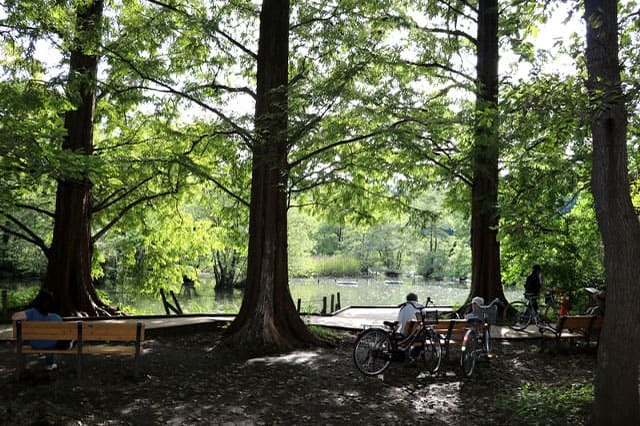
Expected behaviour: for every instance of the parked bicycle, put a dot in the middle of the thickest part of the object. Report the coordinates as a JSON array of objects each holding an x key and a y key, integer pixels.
[
  {"x": 376, "y": 347},
  {"x": 477, "y": 339},
  {"x": 528, "y": 312}
]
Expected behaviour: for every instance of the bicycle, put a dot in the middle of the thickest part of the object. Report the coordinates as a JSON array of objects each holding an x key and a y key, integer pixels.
[
  {"x": 376, "y": 347},
  {"x": 527, "y": 313},
  {"x": 477, "y": 338}
]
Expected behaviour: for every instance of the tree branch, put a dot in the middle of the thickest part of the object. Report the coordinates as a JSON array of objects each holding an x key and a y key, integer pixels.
[
  {"x": 28, "y": 235},
  {"x": 36, "y": 209},
  {"x": 126, "y": 209}
]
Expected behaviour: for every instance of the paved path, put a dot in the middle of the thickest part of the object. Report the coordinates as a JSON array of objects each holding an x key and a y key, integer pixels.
[{"x": 350, "y": 318}]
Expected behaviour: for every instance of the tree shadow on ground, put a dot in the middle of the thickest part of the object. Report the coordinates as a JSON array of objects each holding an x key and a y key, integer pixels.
[{"x": 187, "y": 380}]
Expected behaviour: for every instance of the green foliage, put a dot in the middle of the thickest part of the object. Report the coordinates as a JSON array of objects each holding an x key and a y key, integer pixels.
[
  {"x": 571, "y": 256},
  {"x": 20, "y": 298},
  {"x": 300, "y": 243},
  {"x": 547, "y": 214},
  {"x": 540, "y": 404},
  {"x": 25, "y": 258},
  {"x": 326, "y": 334},
  {"x": 336, "y": 266},
  {"x": 379, "y": 116}
]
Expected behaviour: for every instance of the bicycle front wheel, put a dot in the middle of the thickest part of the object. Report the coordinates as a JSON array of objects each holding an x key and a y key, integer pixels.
[
  {"x": 522, "y": 317},
  {"x": 468, "y": 355},
  {"x": 486, "y": 340},
  {"x": 432, "y": 353},
  {"x": 372, "y": 351}
]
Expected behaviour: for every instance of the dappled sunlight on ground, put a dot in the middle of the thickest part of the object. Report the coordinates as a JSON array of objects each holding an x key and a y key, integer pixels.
[
  {"x": 187, "y": 380},
  {"x": 298, "y": 357}
]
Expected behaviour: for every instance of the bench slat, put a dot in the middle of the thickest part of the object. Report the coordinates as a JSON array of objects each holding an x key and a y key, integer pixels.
[
  {"x": 575, "y": 321},
  {"x": 88, "y": 349},
  {"x": 110, "y": 331},
  {"x": 109, "y": 350},
  {"x": 47, "y": 330}
]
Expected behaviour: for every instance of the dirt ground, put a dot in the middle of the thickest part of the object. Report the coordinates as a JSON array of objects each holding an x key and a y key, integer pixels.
[{"x": 186, "y": 380}]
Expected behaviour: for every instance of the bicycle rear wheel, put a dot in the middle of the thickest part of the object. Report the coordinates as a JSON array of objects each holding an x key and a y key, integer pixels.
[
  {"x": 522, "y": 318},
  {"x": 468, "y": 355},
  {"x": 551, "y": 312},
  {"x": 372, "y": 351},
  {"x": 432, "y": 352}
]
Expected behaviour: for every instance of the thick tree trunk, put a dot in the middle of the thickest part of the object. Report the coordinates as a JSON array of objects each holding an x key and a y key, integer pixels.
[
  {"x": 268, "y": 321},
  {"x": 617, "y": 399},
  {"x": 69, "y": 260},
  {"x": 485, "y": 250}
]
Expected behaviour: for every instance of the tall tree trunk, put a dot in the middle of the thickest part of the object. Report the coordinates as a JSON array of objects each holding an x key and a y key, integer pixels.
[
  {"x": 268, "y": 320},
  {"x": 485, "y": 250},
  {"x": 617, "y": 399},
  {"x": 69, "y": 260}
]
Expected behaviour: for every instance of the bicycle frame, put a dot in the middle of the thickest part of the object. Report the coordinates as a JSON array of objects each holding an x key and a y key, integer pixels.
[
  {"x": 376, "y": 347},
  {"x": 477, "y": 339}
]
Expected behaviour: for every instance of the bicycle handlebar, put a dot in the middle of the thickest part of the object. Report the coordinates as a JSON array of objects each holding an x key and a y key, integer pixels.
[{"x": 495, "y": 301}]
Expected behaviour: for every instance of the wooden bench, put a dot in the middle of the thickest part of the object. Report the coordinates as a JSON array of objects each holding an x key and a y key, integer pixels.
[
  {"x": 92, "y": 337},
  {"x": 585, "y": 328},
  {"x": 452, "y": 332}
]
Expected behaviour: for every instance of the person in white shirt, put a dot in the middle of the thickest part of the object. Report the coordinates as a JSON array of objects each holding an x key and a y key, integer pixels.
[{"x": 408, "y": 311}]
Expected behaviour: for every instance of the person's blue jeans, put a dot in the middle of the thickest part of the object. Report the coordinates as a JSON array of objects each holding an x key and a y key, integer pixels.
[{"x": 45, "y": 344}]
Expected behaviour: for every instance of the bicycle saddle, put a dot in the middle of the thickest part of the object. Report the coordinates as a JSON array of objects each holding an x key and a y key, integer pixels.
[{"x": 391, "y": 324}]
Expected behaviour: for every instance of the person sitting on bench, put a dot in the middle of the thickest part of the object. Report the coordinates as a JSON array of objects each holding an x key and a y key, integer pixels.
[
  {"x": 41, "y": 308},
  {"x": 408, "y": 311}
]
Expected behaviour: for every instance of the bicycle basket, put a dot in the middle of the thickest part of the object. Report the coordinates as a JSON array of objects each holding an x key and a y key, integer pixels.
[
  {"x": 491, "y": 313},
  {"x": 429, "y": 316}
]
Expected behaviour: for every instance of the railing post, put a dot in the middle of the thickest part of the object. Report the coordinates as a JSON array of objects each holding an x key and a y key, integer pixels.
[
  {"x": 332, "y": 303},
  {"x": 164, "y": 302},
  {"x": 338, "y": 304},
  {"x": 324, "y": 305},
  {"x": 299, "y": 303}
]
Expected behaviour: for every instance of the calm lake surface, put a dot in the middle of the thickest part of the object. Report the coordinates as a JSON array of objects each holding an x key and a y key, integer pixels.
[
  {"x": 378, "y": 291},
  {"x": 311, "y": 291}
]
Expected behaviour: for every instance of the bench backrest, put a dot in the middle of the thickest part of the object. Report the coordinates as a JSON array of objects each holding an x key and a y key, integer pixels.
[
  {"x": 69, "y": 330},
  {"x": 451, "y": 327},
  {"x": 410, "y": 327},
  {"x": 46, "y": 330},
  {"x": 115, "y": 331},
  {"x": 575, "y": 322}
]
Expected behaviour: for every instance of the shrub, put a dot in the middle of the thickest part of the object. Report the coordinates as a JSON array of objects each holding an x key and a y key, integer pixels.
[
  {"x": 336, "y": 266},
  {"x": 542, "y": 404}
]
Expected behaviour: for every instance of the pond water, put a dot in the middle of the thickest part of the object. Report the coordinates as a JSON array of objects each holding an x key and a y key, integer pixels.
[
  {"x": 378, "y": 291},
  {"x": 381, "y": 292},
  {"x": 310, "y": 293}
]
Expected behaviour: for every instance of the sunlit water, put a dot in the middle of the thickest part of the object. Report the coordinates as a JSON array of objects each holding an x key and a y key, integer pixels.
[
  {"x": 381, "y": 292},
  {"x": 313, "y": 295}
]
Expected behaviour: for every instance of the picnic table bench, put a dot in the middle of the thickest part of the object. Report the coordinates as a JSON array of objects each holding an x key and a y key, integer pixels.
[
  {"x": 585, "y": 328},
  {"x": 91, "y": 338}
]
